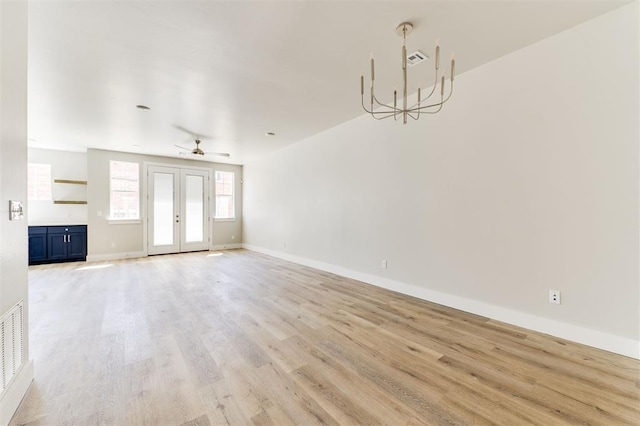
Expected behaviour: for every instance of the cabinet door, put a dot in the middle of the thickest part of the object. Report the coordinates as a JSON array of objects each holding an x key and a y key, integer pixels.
[
  {"x": 77, "y": 245},
  {"x": 56, "y": 246},
  {"x": 37, "y": 244}
]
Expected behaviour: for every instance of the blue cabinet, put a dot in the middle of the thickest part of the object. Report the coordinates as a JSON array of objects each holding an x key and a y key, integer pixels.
[
  {"x": 48, "y": 244},
  {"x": 37, "y": 244}
]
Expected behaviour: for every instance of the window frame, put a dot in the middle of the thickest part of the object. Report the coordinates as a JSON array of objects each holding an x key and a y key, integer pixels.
[
  {"x": 124, "y": 220},
  {"x": 233, "y": 197}
]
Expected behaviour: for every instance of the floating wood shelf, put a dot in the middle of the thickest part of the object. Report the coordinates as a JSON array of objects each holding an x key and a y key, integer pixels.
[
  {"x": 69, "y": 202},
  {"x": 74, "y": 182}
]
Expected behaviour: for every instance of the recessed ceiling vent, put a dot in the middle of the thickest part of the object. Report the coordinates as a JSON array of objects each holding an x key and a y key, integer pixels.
[{"x": 416, "y": 57}]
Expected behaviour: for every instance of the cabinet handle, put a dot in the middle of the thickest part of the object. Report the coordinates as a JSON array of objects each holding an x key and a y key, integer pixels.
[
  {"x": 68, "y": 238},
  {"x": 64, "y": 238}
]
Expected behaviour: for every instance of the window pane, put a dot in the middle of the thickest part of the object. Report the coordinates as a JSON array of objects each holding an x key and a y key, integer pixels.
[
  {"x": 39, "y": 181},
  {"x": 224, "y": 195},
  {"x": 194, "y": 214},
  {"x": 162, "y": 209},
  {"x": 125, "y": 190}
]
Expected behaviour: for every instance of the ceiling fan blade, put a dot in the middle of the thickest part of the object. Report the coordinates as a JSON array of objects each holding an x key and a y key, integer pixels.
[
  {"x": 220, "y": 154},
  {"x": 182, "y": 129},
  {"x": 193, "y": 135},
  {"x": 182, "y": 147}
]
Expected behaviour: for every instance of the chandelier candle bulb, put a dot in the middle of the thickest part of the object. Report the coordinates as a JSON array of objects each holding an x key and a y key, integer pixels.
[
  {"x": 395, "y": 109},
  {"x": 372, "y": 78},
  {"x": 437, "y": 56},
  {"x": 362, "y": 84},
  {"x": 442, "y": 87},
  {"x": 453, "y": 66}
]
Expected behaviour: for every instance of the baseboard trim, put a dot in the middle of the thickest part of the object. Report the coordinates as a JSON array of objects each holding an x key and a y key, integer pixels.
[
  {"x": 597, "y": 339},
  {"x": 13, "y": 395},
  {"x": 116, "y": 256},
  {"x": 225, "y": 247}
]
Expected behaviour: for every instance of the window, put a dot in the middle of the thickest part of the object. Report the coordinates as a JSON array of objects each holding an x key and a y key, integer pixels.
[
  {"x": 224, "y": 196},
  {"x": 125, "y": 190},
  {"x": 39, "y": 181}
]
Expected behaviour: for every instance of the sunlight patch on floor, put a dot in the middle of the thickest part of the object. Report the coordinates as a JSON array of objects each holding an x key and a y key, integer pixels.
[{"x": 86, "y": 268}]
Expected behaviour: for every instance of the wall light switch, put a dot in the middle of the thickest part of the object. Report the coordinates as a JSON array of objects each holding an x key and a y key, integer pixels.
[{"x": 16, "y": 212}]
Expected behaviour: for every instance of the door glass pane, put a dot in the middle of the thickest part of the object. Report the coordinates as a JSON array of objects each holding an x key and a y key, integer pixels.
[
  {"x": 162, "y": 209},
  {"x": 194, "y": 209}
]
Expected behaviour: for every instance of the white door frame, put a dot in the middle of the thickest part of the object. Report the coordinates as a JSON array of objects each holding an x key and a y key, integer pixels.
[{"x": 145, "y": 199}]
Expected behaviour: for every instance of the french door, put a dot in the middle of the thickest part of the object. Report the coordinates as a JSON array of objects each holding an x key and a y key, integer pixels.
[{"x": 178, "y": 210}]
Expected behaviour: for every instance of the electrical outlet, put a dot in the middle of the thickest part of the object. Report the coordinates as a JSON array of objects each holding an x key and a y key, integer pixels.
[
  {"x": 233, "y": 237},
  {"x": 284, "y": 245},
  {"x": 383, "y": 264},
  {"x": 554, "y": 296},
  {"x": 113, "y": 245}
]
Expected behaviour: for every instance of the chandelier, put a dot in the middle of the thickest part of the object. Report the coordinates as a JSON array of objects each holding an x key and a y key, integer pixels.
[{"x": 379, "y": 110}]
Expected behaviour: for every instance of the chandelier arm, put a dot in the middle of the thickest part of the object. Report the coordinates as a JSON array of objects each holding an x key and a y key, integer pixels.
[
  {"x": 434, "y": 112},
  {"x": 364, "y": 107},
  {"x": 424, "y": 109},
  {"x": 450, "y": 93},
  {"x": 381, "y": 118},
  {"x": 439, "y": 105},
  {"x": 372, "y": 93},
  {"x": 371, "y": 111},
  {"x": 397, "y": 110},
  {"x": 442, "y": 102},
  {"x": 433, "y": 89},
  {"x": 389, "y": 111},
  {"x": 374, "y": 113}
]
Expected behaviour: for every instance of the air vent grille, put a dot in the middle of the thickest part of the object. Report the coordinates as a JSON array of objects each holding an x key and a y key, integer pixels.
[
  {"x": 11, "y": 344},
  {"x": 416, "y": 57}
]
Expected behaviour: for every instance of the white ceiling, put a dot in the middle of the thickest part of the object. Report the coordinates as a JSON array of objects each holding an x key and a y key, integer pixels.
[{"x": 234, "y": 70}]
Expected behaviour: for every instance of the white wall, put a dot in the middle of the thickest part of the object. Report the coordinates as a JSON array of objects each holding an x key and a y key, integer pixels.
[
  {"x": 527, "y": 181},
  {"x": 64, "y": 165},
  {"x": 13, "y": 176},
  {"x": 109, "y": 241}
]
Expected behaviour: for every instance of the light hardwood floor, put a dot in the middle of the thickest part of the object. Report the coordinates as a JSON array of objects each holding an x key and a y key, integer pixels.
[{"x": 240, "y": 338}]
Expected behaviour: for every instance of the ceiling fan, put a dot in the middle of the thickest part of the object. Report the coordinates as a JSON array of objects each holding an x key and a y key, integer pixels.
[{"x": 199, "y": 152}]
